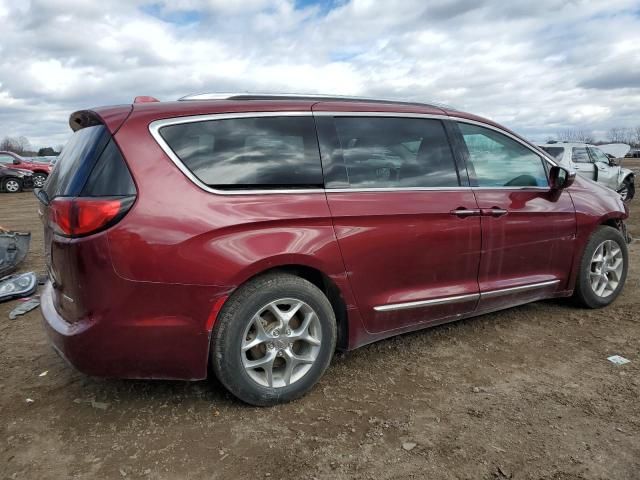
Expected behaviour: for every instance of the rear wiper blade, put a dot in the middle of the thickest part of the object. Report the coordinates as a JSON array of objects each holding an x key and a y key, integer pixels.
[{"x": 42, "y": 196}]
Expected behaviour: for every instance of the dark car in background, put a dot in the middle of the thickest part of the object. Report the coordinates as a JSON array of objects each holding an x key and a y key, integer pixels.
[
  {"x": 13, "y": 180},
  {"x": 633, "y": 153},
  {"x": 254, "y": 234},
  {"x": 40, "y": 170}
]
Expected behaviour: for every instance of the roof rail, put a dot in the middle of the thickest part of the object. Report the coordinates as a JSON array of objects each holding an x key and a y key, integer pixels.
[{"x": 302, "y": 96}]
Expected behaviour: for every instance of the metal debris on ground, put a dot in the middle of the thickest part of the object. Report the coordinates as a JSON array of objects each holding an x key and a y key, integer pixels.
[
  {"x": 13, "y": 249},
  {"x": 24, "y": 307},
  {"x": 408, "y": 446},
  {"x": 618, "y": 360}
]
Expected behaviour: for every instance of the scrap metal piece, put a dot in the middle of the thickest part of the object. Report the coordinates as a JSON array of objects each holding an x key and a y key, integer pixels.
[
  {"x": 13, "y": 250},
  {"x": 23, "y": 308},
  {"x": 16, "y": 286}
]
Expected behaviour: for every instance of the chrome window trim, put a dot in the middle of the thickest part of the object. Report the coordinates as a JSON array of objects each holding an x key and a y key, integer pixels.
[
  {"x": 463, "y": 298},
  {"x": 397, "y": 189},
  {"x": 155, "y": 126}
]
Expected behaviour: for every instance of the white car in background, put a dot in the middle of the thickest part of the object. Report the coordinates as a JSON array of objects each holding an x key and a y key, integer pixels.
[{"x": 592, "y": 163}]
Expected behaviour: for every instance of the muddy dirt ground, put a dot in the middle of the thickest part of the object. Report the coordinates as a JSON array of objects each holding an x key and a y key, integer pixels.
[{"x": 526, "y": 393}]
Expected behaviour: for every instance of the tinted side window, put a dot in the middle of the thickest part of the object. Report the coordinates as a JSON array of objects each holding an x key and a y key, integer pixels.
[
  {"x": 580, "y": 155},
  {"x": 261, "y": 152},
  {"x": 6, "y": 159},
  {"x": 395, "y": 152},
  {"x": 110, "y": 176},
  {"x": 555, "y": 152},
  {"x": 496, "y": 160}
]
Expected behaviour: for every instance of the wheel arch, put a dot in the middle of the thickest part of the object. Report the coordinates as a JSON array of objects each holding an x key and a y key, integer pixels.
[{"x": 325, "y": 283}]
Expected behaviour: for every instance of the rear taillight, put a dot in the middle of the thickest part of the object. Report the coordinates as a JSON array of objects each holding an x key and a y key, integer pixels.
[{"x": 80, "y": 216}]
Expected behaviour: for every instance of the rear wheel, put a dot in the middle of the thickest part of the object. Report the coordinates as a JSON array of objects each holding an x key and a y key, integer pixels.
[
  {"x": 273, "y": 339},
  {"x": 603, "y": 269},
  {"x": 627, "y": 190},
  {"x": 12, "y": 185},
  {"x": 39, "y": 179}
]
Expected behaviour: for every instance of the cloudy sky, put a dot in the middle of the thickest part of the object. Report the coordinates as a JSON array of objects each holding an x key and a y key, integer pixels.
[{"x": 536, "y": 66}]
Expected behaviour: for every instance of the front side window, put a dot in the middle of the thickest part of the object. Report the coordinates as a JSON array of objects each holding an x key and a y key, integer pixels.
[
  {"x": 580, "y": 155},
  {"x": 395, "y": 152},
  {"x": 598, "y": 155},
  {"x": 496, "y": 160},
  {"x": 261, "y": 152}
]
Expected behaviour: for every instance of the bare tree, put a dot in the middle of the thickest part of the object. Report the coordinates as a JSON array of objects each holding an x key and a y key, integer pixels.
[
  {"x": 575, "y": 135},
  {"x": 10, "y": 144},
  {"x": 20, "y": 145},
  {"x": 25, "y": 144},
  {"x": 615, "y": 135},
  {"x": 637, "y": 137}
]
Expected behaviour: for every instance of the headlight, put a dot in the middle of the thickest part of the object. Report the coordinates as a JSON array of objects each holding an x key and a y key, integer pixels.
[{"x": 19, "y": 285}]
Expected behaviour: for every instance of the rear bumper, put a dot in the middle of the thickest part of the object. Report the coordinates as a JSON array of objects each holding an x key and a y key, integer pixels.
[
  {"x": 128, "y": 346},
  {"x": 69, "y": 340}
]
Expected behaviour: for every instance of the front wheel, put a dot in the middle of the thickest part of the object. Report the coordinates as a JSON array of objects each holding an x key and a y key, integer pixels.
[
  {"x": 603, "y": 268},
  {"x": 39, "y": 179},
  {"x": 627, "y": 189},
  {"x": 273, "y": 339},
  {"x": 12, "y": 185}
]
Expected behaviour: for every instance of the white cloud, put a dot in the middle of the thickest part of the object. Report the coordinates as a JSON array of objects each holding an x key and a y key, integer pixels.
[{"x": 537, "y": 67}]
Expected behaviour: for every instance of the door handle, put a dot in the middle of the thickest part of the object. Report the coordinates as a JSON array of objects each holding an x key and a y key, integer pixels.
[
  {"x": 462, "y": 212},
  {"x": 493, "y": 212}
]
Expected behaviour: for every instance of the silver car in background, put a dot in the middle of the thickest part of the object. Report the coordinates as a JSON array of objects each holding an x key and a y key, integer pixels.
[{"x": 592, "y": 163}]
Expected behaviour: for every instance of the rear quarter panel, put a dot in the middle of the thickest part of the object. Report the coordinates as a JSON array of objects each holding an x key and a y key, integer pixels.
[{"x": 178, "y": 233}]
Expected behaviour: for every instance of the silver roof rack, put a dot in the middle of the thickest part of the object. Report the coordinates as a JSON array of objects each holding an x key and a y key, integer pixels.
[{"x": 303, "y": 96}]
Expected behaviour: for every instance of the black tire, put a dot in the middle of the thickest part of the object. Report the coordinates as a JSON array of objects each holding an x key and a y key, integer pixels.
[
  {"x": 39, "y": 179},
  {"x": 584, "y": 293},
  {"x": 236, "y": 316},
  {"x": 8, "y": 185},
  {"x": 628, "y": 186}
]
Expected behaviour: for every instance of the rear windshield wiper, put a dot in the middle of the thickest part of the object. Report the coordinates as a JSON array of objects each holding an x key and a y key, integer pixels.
[{"x": 42, "y": 196}]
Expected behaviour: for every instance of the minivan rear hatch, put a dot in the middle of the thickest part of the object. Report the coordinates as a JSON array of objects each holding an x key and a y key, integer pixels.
[{"x": 89, "y": 190}]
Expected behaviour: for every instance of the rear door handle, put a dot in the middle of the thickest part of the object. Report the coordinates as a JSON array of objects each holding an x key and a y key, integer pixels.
[
  {"x": 465, "y": 212},
  {"x": 493, "y": 212}
]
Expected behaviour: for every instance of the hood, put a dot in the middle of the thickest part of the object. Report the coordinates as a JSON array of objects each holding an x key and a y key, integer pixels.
[
  {"x": 618, "y": 150},
  {"x": 597, "y": 189},
  {"x": 15, "y": 171}
]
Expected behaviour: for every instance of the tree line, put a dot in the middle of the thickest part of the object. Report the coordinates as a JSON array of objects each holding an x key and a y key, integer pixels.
[
  {"x": 630, "y": 136},
  {"x": 22, "y": 146}
]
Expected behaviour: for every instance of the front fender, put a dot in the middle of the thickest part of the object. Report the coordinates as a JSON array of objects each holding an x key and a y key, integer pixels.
[{"x": 623, "y": 174}]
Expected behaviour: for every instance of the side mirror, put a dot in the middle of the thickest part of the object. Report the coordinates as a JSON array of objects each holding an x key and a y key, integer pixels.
[
  {"x": 16, "y": 161},
  {"x": 560, "y": 178}
]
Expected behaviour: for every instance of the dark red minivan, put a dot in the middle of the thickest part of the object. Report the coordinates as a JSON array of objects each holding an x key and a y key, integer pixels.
[{"x": 258, "y": 233}]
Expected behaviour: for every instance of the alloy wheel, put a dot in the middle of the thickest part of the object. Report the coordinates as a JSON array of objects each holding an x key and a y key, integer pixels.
[
  {"x": 281, "y": 343},
  {"x": 607, "y": 264},
  {"x": 12, "y": 186},
  {"x": 38, "y": 180}
]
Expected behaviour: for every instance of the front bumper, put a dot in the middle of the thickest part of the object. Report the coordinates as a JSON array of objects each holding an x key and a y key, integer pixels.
[{"x": 27, "y": 182}]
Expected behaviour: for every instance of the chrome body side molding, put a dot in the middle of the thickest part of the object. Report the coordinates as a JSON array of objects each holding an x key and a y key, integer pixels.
[{"x": 464, "y": 298}]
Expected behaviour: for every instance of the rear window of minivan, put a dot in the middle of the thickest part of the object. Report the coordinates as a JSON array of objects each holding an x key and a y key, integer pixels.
[
  {"x": 79, "y": 154},
  {"x": 240, "y": 153}
]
